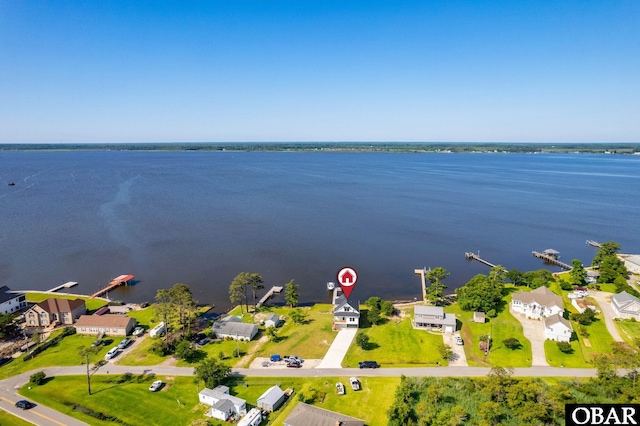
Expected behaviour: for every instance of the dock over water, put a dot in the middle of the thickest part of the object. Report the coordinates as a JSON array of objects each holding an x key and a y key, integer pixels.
[
  {"x": 116, "y": 282},
  {"x": 61, "y": 286},
  {"x": 472, "y": 256},
  {"x": 274, "y": 290},
  {"x": 551, "y": 257}
]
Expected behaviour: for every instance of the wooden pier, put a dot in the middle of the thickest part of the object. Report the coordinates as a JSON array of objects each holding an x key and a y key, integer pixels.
[
  {"x": 274, "y": 290},
  {"x": 472, "y": 256},
  {"x": 61, "y": 286},
  {"x": 422, "y": 272},
  {"x": 551, "y": 257},
  {"x": 116, "y": 282}
]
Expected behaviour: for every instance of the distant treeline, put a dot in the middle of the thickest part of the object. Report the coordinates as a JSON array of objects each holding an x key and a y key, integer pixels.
[{"x": 401, "y": 147}]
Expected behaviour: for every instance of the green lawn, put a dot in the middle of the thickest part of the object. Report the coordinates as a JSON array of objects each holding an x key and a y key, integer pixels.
[
  {"x": 396, "y": 344},
  {"x": 145, "y": 317},
  {"x": 500, "y": 328},
  {"x": 122, "y": 399},
  {"x": 599, "y": 339},
  {"x": 556, "y": 358},
  {"x": 308, "y": 341},
  {"x": 91, "y": 304},
  {"x": 628, "y": 330},
  {"x": 7, "y": 419},
  {"x": 128, "y": 400},
  {"x": 62, "y": 354}
]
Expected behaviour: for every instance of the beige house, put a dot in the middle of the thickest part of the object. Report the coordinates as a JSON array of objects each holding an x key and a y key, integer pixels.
[
  {"x": 53, "y": 311},
  {"x": 539, "y": 303},
  {"x": 109, "y": 324},
  {"x": 631, "y": 262}
]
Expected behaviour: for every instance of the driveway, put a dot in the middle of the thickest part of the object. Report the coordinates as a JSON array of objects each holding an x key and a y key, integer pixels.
[
  {"x": 459, "y": 358},
  {"x": 534, "y": 331},
  {"x": 604, "y": 302},
  {"x": 338, "y": 349}
]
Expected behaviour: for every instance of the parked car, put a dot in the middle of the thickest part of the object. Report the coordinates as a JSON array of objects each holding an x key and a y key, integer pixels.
[
  {"x": 293, "y": 364},
  {"x": 97, "y": 342},
  {"x": 368, "y": 364},
  {"x": 355, "y": 383},
  {"x": 197, "y": 337},
  {"x": 155, "y": 386},
  {"x": 203, "y": 341},
  {"x": 4, "y": 360},
  {"x": 275, "y": 358},
  {"x": 112, "y": 353},
  {"x": 124, "y": 343},
  {"x": 293, "y": 358},
  {"x": 458, "y": 340},
  {"x": 24, "y": 404},
  {"x": 339, "y": 388},
  {"x": 138, "y": 331}
]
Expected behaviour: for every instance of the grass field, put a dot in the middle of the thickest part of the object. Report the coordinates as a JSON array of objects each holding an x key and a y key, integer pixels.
[
  {"x": 556, "y": 358},
  {"x": 7, "y": 419},
  {"x": 310, "y": 340},
  {"x": 500, "y": 328},
  {"x": 396, "y": 344},
  {"x": 63, "y": 353},
  {"x": 91, "y": 304},
  {"x": 128, "y": 399},
  {"x": 628, "y": 330}
]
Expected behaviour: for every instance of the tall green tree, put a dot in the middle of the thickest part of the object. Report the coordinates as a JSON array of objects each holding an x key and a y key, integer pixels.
[
  {"x": 165, "y": 309},
  {"x": 291, "y": 294},
  {"x": 481, "y": 293},
  {"x": 436, "y": 287},
  {"x": 242, "y": 284},
  {"x": 86, "y": 353},
  {"x": 610, "y": 248},
  {"x": 578, "y": 274},
  {"x": 181, "y": 298},
  {"x": 7, "y": 325},
  {"x": 610, "y": 268},
  {"x": 212, "y": 372}
]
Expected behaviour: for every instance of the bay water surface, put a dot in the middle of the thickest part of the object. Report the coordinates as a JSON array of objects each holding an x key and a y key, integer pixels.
[{"x": 200, "y": 218}]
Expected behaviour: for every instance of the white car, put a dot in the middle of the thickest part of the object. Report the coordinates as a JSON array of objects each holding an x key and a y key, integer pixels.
[
  {"x": 112, "y": 353},
  {"x": 458, "y": 340},
  {"x": 155, "y": 386}
]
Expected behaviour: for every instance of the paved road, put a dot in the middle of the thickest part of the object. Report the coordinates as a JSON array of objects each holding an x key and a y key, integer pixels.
[
  {"x": 533, "y": 330},
  {"x": 603, "y": 298}
]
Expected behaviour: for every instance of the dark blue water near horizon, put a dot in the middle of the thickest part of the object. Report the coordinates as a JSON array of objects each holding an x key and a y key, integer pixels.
[{"x": 201, "y": 218}]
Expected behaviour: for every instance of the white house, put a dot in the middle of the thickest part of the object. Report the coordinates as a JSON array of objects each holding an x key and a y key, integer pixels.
[
  {"x": 539, "y": 303},
  {"x": 272, "y": 320},
  {"x": 344, "y": 314},
  {"x": 557, "y": 328},
  {"x": 11, "y": 302},
  {"x": 271, "y": 399},
  {"x": 625, "y": 305},
  {"x": 632, "y": 263},
  {"x": 223, "y": 405},
  {"x": 433, "y": 317},
  {"x": 253, "y": 418},
  {"x": 233, "y": 327},
  {"x": 581, "y": 305}
]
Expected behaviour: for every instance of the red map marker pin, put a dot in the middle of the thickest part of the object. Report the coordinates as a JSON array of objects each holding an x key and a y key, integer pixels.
[{"x": 347, "y": 278}]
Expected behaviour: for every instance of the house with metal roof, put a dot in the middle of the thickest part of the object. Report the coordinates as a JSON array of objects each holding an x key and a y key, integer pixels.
[
  {"x": 272, "y": 320},
  {"x": 223, "y": 405},
  {"x": 539, "y": 303},
  {"x": 234, "y": 328},
  {"x": 308, "y": 415},
  {"x": 557, "y": 328},
  {"x": 631, "y": 262},
  {"x": 433, "y": 318},
  {"x": 271, "y": 399},
  {"x": 345, "y": 315},
  {"x": 11, "y": 302},
  {"x": 54, "y": 311},
  {"x": 625, "y": 305}
]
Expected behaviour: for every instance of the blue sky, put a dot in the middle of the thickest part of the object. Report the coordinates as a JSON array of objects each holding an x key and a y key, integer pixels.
[{"x": 138, "y": 71}]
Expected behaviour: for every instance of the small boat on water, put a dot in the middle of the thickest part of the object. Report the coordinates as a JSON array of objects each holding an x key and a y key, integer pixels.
[
  {"x": 340, "y": 388},
  {"x": 12, "y": 184}
]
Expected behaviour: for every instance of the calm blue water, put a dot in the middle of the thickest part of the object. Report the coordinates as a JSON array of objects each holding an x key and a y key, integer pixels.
[{"x": 200, "y": 218}]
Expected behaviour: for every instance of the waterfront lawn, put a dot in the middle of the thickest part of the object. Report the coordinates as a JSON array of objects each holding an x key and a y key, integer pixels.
[
  {"x": 310, "y": 340},
  {"x": 599, "y": 338},
  {"x": 91, "y": 304},
  {"x": 140, "y": 355},
  {"x": 499, "y": 328},
  {"x": 125, "y": 399},
  {"x": 145, "y": 318},
  {"x": 556, "y": 358},
  {"x": 396, "y": 344},
  {"x": 64, "y": 353},
  {"x": 7, "y": 419},
  {"x": 629, "y": 330}
]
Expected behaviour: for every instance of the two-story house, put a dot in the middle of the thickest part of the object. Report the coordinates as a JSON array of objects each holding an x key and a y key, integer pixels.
[
  {"x": 625, "y": 305},
  {"x": 433, "y": 318},
  {"x": 11, "y": 302},
  {"x": 539, "y": 303},
  {"x": 55, "y": 311},
  {"x": 345, "y": 315}
]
